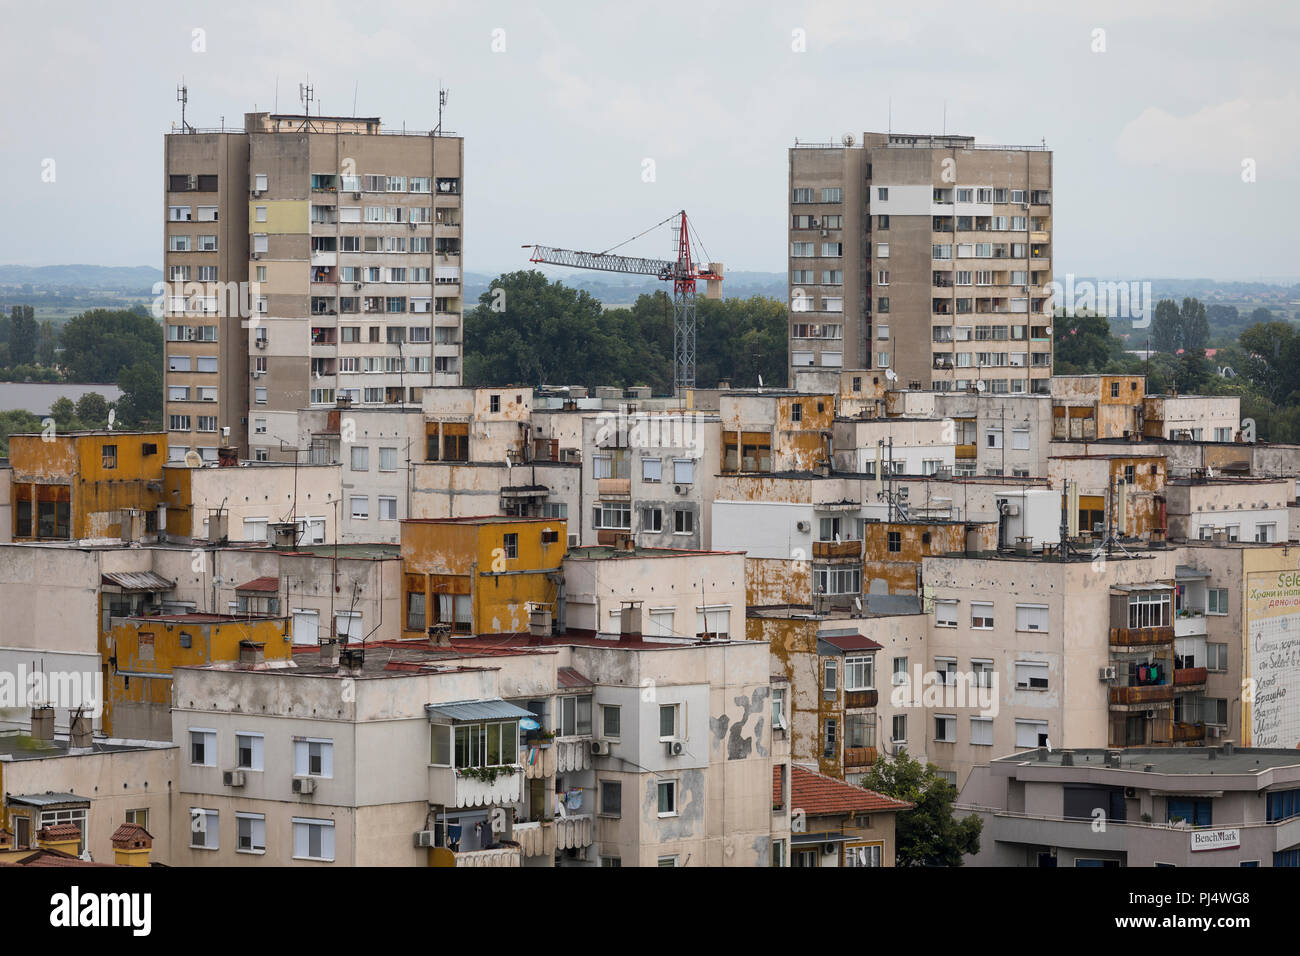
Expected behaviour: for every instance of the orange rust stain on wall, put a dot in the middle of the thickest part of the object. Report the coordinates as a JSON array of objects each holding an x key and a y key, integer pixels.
[{"x": 777, "y": 581}]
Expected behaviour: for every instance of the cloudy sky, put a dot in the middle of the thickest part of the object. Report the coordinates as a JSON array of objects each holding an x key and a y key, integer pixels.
[{"x": 1151, "y": 108}]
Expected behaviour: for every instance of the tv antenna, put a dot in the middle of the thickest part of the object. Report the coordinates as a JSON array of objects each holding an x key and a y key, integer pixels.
[
  {"x": 306, "y": 93},
  {"x": 183, "y": 97}
]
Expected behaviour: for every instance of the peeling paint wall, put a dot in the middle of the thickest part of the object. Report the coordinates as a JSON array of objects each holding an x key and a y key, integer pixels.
[{"x": 776, "y": 581}]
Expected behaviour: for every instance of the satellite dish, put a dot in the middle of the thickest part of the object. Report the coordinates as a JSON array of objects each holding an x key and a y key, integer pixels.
[
  {"x": 857, "y": 603},
  {"x": 890, "y": 375},
  {"x": 760, "y": 381},
  {"x": 979, "y": 385},
  {"x": 193, "y": 459},
  {"x": 1049, "y": 330},
  {"x": 847, "y": 139},
  {"x": 218, "y": 582},
  {"x": 112, "y": 417}
]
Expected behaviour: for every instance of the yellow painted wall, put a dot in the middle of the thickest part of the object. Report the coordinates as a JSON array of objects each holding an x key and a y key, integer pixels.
[
  {"x": 209, "y": 641},
  {"x": 283, "y": 216}
]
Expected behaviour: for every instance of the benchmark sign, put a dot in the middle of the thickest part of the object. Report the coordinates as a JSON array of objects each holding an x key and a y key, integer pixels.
[{"x": 1215, "y": 839}]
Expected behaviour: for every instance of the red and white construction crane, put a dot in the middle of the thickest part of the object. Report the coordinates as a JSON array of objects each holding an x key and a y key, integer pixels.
[{"x": 683, "y": 273}]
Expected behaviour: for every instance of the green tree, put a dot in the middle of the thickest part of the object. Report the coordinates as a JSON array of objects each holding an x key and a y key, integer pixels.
[
  {"x": 142, "y": 389},
  {"x": 1084, "y": 344},
  {"x": 1271, "y": 351},
  {"x": 16, "y": 423},
  {"x": 64, "y": 413},
  {"x": 1167, "y": 327},
  {"x": 100, "y": 343},
  {"x": 92, "y": 410},
  {"x": 928, "y": 834},
  {"x": 22, "y": 335},
  {"x": 1195, "y": 326},
  {"x": 47, "y": 343}
]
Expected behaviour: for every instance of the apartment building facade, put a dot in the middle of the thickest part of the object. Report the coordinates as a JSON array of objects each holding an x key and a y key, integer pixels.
[
  {"x": 307, "y": 258},
  {"x": 928, "y": 256}
]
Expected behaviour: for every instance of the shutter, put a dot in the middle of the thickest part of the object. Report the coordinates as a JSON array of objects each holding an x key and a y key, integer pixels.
[{"x": 300, "y": 758}]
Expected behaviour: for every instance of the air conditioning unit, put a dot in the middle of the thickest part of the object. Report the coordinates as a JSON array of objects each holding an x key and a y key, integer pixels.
[
  {"x": 424, "y": 838},
  {"x": 1150, "y": 715},
  {"x": 675, "y": 748},
  {"x": 232, "y": 778},
  {"x": 260, "y": 343},
  {"x": 1130, "y": 793},
  {"x": 356, "y": 195},
  {"x": 600, "y": 748},
  {"x": 1106, "y": 673},
  {"x": 680, "y": 489},
  {"x": 304, "y": 785},
  {"x": 356, "y": 285},
  {"x": 257, "y": 255},
  {"x": 257, "y": 374},
  {"x": 828, "y": 848},
  {"x": 1214, "y": 732},
  {"x": 803, "y": 526},
  {"x": 573, "y": 540}
]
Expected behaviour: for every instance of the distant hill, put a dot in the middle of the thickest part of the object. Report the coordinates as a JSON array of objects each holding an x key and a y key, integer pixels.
[
  {"x": 139, "y": 279},
  {"x": 613, "y": 289}
]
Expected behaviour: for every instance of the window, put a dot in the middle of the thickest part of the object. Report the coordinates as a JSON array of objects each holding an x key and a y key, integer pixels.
[
  {"x": 1031, "y": 675},
  {"x": 1197, "y": 812},
  {"x": 248, "y": 750},
  {"x": 204, "y": 829},
  {"x": 652, "y": 469},
  {"x": 1149, "y": 608},
  {"x": 1266, "y": 532},
  {"x": 611, "y": 798},
  {"x": 945, "y": 728},
  {"x": 837, "y": 579},
  {"x": 360, "y": 506},
  {"x": 778, "y": 707},
  {"x": 895, "y": 541},
  {"x": 360, "y": 458},
  {"x": 831, "y": 669},
  {"x": 859, "y": 673},
  {"x": 652, "y": 519},
  {"x": 683, "y": 471},
  {"x": 882, "y": 193},
  {"x": 898, "y": 729},
  {"x": 668, "y": 721},
  {"x": 683, "y": 521},
  {"x": 981, "y": 615},
  {"x": 900, "y": 671},
  {"x": 250, "y": 829},
  {"x": 830, "y": 737},
  {"x": 802, "y": 195},
  {"x": 1216, "y": 601},
  {"x": 203, "y": 748},
  {"x": 388, "y": 459},
  {"x": 993, "y": 437},
  {"x": 832, "y": 194},
  {"x": 387, "y": 508},
  {"x": 313, "y": 757},
  {"x": 981, "y": 731},
  {"x": 882, "y": 250},
  {"x": 1216, "y": 657},
  {"x": 945, "y": 614},
  {"x": 1283, "y": 805},
  {"x": 983, "y": 672},
  {"x": 1031, "y": 617},
  {"x": 259, "y": 394},
  {"x": 313, "y": 839},
  {"x": 1020, "y": 439},
  {"x": 611, "y": 721},
  {"x": 1031, "y": 733},
  {"x": 616, "y": 515},
  {"x": 667, "y": 808}
]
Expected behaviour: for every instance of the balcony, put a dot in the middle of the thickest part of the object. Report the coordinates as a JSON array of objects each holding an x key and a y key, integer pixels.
[
  {"x": 1189, "y": 623},
  {"x": 1190, "y": 678},
  {"x": 965, "y": 451},
  {"x": 1189, "y": 733},
  {"x": 859, "y": 757},
  {"x": 857, "y": 699},
  {"x": 830, "y": 550},
  {"x": 455, "y": 788},
  {"x": 1140, "y": 696},
  {"x": 573, "y": 754},
  {"x": 539, "y": 762},
  {"x": 573, "y": 832},
  {"x": 500, "y": 856},
  {"x": 535, "y": 839},
  {"x": 613, "y": 487},
  {"x": 1140, "y": 636}
]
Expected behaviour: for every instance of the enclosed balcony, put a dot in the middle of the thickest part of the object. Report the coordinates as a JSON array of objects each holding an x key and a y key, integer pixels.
[
  {"x": 1140, "y": 696},
  {"x": 858, "y": 757},
  {"x": 830, "y": 550},
  {"x": 498, "y": 856}
]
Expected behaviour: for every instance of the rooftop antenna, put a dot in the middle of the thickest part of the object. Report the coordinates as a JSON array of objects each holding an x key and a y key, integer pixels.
[
  {"x": 442, "y": 101},
  {"x": 183, "y": 97},
  {"x": 306, "y": 93},
  {"x": 891, "y": 115},
  {"x": 945, "y": 117},
  {"x": 355, "y": 87}
]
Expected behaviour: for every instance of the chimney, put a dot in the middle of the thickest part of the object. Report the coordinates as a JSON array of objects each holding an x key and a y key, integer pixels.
[
  {"x": 286, "y": 534},
  {"x": 1229, "y": 748},
  {"x": 351, "y": 661},
  {"x": 43, "y": 723},
  {"x": 218, "y": 522},
  {"x": 1067, "y": 758},
  {"x": 1112, "y": 758},
  {"x": 131, "y": 845},
  {"x": 64, "y": 837},
  {"x": 629, "y": 621},
  {"x": 252, "y": 653},
  {"x": 1212, "y": 753},
  {"x": 81, "y": 736},
  {"x": 1042, "y": 753},
  {"x": 6, "y": 839},
  {"x": 539, "y": 621},
  {"x": 329, "y": 651}
]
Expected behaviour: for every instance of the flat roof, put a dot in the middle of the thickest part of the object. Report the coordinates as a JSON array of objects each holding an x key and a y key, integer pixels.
[
  {"x": 606, "y": 552},
  {"x": 15, "y": 746},
  {"x": 1168, "y": 760}
]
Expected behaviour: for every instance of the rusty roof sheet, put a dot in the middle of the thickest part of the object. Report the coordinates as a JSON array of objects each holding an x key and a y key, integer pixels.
[
  {"x": 136, "y": 581},
  {"x": 268, "y": 583},
  {"x": 567, "y": 677}
]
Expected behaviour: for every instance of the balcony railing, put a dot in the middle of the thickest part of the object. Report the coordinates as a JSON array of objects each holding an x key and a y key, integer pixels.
[
  {"x": 536, "y": 838},
  {"x": 1186, "y": 677},
  {"x": 827, "y": 550},
  {"x": 861, "y": 698},
  {"x": 573, "y": 832},
  {"x": 452, "y": 788},
  {"x": 1189, "y": 733},
  {"x": 859, "y": 756},
  {"x": 613, "y": 487},
  {"x": 500, "y": 856},
  {"x": 1137, "y": 695},
  {"x": 573, "y": 753},
  {"x": 1140, "y": 636}
]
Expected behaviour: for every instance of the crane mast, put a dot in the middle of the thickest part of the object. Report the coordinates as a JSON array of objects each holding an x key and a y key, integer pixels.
[{"x": 682, "y": 273}]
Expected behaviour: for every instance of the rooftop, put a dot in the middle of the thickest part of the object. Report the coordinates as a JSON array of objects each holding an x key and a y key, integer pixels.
[
  {"x": 16, "y": 746},
  {"x": 1165, "y": 760},
  {"x": 816, "y": 794},
  {"x": 603, "y": 552}
]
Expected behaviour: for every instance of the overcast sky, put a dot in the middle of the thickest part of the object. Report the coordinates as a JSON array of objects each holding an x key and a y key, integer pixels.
[{"x": 1149, "y": 136}]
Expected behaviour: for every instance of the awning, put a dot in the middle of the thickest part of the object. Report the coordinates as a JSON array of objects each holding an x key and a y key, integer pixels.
[
  {"x": 839, "y": 641},
  {"x": 464, "y": 711},
  {"x": 48, "y": 799},
  {"x": 136, "y": 581},
  {"x": 1184, "y": 573},
  {"x": 269, "y": 583},
  {"x": 569, "y": 679},
  {"x": 801, "y": 838}
]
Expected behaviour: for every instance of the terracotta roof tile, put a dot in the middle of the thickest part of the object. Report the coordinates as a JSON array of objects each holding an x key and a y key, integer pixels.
[
  {"x": 130, "y": 832},
  {"x": 816, "y": 793},
  {"x": 60, "y": 831},
  {"x": 268, "y": 583}
]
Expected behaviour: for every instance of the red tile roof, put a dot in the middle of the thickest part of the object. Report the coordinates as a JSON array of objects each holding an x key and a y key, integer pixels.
[
  {"x": 130, "y": 833},
  {"x": 60, "y": 831},
  {"x": 48, "y": 857},
  {"x": 851, "y": 642},
  {"x": 268, "y": 583},
  {"x": 568, "y": 677},
  {"x": 816, "y": 794}
]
